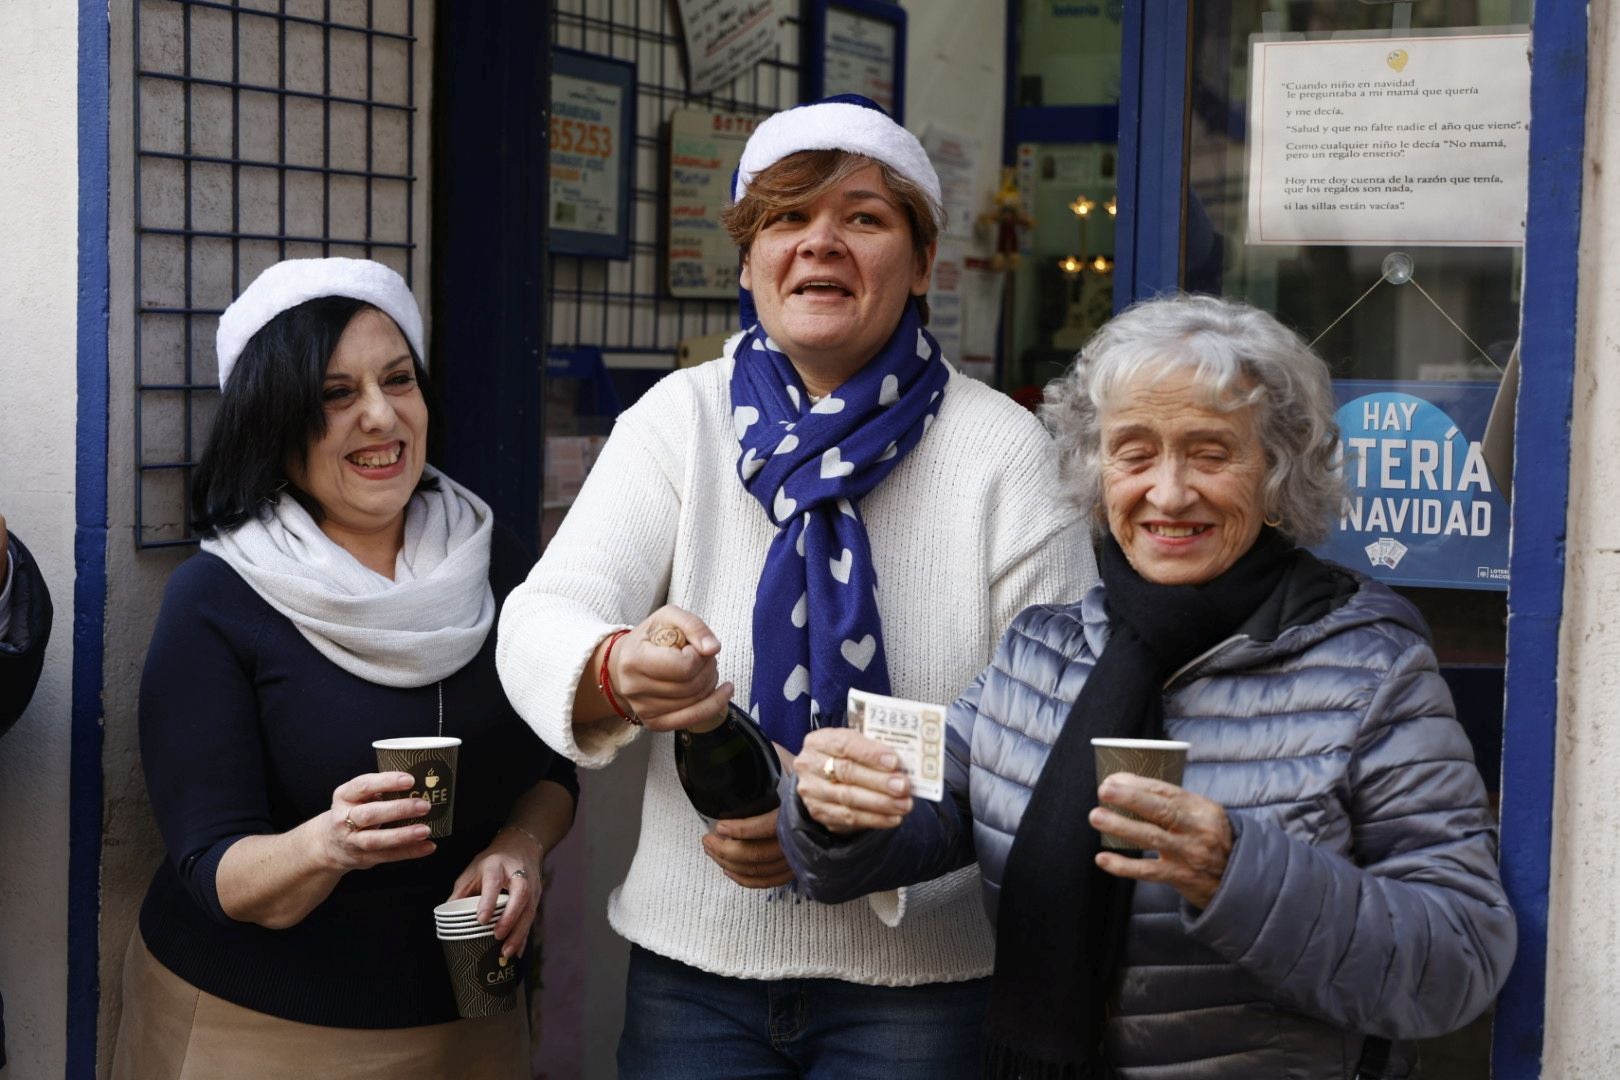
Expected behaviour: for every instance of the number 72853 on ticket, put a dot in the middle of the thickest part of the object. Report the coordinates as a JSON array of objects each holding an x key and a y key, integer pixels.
[{"x": 915, "y": 731}]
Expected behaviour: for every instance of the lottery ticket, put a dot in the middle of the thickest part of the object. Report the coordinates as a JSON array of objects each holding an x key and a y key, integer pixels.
[{"x": 914, "y": 729}]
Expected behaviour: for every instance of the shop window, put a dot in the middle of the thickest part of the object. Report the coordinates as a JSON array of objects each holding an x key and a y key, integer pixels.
[
  {"x": 614, "y": 328},
  {"x": 1063, "y": 124},
  {"x": 1426, "y": 325}
]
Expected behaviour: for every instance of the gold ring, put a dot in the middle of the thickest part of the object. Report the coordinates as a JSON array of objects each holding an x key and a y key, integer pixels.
[
  {"x": 829, "y": 769},
  {"x": 349, "y": 821}
]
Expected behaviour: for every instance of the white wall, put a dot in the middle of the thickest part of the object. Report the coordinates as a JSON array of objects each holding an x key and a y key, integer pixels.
[
  {"x": 1583, "y": 961},
  {"x": 38, "y": 316}
]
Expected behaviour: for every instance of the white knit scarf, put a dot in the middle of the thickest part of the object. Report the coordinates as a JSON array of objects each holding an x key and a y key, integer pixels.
[{"x": 424, "y": 625}]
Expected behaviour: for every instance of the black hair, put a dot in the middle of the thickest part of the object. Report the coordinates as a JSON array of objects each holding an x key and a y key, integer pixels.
[{"x": 272, "y": 410}]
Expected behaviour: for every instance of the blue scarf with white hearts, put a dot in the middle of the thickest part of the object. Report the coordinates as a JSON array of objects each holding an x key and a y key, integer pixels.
[{"x": 817, "y": 631}]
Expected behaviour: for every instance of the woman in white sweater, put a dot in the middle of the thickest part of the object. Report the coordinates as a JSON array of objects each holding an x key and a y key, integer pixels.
[{"x": 837, "y": 505}]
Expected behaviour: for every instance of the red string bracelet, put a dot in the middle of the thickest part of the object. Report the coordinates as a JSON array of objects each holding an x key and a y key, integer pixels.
[{"x": 606, "y": 687}]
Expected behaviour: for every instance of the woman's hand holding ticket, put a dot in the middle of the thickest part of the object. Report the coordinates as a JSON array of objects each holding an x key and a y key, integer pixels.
[{"x": 849, "y": 782}]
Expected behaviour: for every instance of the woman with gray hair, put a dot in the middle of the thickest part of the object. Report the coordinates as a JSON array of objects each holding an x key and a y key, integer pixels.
[{"x": 1322, "y": 887}]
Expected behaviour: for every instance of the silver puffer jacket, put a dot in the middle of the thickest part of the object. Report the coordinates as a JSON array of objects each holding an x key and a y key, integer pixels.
[{"x": 1362, "y": 896}]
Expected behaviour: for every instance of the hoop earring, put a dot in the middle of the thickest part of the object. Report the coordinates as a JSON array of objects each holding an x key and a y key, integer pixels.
[{"x": 1277, "y": 524}]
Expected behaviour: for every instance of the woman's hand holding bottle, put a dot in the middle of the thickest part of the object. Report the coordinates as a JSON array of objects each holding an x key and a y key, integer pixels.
[
  {"x": 849, "y": 782},
  {"x": 668, "y": 688}
]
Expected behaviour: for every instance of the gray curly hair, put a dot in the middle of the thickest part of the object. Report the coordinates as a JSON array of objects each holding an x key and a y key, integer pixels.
[{"x": 1238, "y": 355}]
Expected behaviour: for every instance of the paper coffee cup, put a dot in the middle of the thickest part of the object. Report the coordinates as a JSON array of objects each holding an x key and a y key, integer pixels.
[
  {"x": 431, "y": 761},
  {"x": 1158, "y": 759},
  {"x": 463, "y": 927},
  {"x": 464, "y": 914},
  {"x": 485, "y": 982},
  {"x": 466, "y": 907}
]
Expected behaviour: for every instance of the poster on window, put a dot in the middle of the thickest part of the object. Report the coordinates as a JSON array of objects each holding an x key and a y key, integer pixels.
[
  {"x": 591, "y": 140},
  {"x": 1421, "y": 507},
  {"x": 955, "y": 158},
  {"x": 859, "y": 57},
  {"x": 1419, "y": 140},
  {"x": 725, "y": 38},
  {"x": 704, "y": 148}
]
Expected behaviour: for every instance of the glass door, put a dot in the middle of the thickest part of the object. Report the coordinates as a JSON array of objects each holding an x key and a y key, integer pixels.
[
  {"x": 1358, "y": 169},
  {"x": 1057, "y": 206}
]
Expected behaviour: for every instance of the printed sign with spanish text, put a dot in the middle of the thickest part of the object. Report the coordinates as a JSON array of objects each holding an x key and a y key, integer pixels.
[
  {"x": 1418, "y": 140},
  {"x": 725, "y": 38},
  {"x": 586, "y": 144},
  {"x": 1422, "y": 509},
  {"x": 704, "y": 148}
]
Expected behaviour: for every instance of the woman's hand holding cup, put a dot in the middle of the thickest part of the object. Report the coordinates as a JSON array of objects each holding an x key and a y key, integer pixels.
[
  {"x": 849, "y": 782},
  {"x": 510, "y": 864},
  {"x": 669, "y": 688},
  {"x": 353, "y": 834}
]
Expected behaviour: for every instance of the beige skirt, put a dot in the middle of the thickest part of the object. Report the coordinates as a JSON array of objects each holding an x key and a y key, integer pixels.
[{"x": 173, "y": 1031}]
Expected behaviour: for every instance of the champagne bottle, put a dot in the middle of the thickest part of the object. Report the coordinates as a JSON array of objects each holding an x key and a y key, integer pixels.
[{"x": 728, "y": 767}]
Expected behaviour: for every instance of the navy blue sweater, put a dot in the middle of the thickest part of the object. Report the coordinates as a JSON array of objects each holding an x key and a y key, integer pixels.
[{"x": 247, "y": 729}]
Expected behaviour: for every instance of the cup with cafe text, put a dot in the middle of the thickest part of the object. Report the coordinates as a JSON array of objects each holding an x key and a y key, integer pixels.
[
  {"x": 485, "y": 982},
  {"x": 431, "y": 761},
  {"x": 1157, "y": 759}
]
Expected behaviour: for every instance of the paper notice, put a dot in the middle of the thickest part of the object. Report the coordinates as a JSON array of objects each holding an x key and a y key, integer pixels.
[
  {"x": 955, "y": 158},
  {"x": 1390, "y": 140},
  {"x": 914, "y": 729},
  {"x": 725, "y": 38},
  {"x": 704, "y": 148}
]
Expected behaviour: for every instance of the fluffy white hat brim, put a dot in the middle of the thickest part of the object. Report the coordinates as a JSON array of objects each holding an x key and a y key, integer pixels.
[
  {"x": 839, "y": 125},
  {"x": 290, "y": 283}
]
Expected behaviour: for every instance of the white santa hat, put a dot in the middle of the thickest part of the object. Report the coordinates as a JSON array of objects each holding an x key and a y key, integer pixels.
[
  {"x": 846, "y": 122},
  {"x": 294, "y": 281}
]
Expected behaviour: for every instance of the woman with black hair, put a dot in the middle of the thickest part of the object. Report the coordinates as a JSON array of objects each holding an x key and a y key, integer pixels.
[{"x": 346, "y": 592}]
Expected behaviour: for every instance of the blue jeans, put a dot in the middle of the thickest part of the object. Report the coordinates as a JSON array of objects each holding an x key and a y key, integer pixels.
[{"x": 684, "y": 1024}]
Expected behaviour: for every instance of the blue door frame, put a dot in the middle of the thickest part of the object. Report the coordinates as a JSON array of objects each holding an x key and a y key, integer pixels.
[
  {"x": 1152, "y": 198},
  {"x": 492, "y": 68}
]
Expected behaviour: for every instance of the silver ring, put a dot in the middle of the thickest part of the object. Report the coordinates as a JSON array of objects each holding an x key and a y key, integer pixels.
[
  {"x": 349, "y": 821},
  {"x": 519, "y": 872},
  {"x": 829, "y": 769}
]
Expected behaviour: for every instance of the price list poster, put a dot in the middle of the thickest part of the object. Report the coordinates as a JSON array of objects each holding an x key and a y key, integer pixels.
[{"x": 704, "y": 148}]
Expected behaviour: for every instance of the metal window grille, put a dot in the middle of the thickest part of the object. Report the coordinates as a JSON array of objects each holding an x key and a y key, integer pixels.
[
  {"x": 264, "y": 130},
  {"x": 619, "y": 305}
]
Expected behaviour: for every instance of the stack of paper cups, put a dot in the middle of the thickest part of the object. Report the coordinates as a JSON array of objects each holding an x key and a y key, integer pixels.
[{"x": 485, "y": 982}]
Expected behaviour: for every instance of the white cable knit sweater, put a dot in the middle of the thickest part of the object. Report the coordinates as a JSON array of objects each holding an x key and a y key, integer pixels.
[{"x": 966, "y": 532}]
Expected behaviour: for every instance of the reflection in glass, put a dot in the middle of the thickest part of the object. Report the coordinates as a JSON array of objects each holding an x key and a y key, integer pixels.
[
  {"x": 1069, "y": 52},
  {"x": 1063, "y": 289}
]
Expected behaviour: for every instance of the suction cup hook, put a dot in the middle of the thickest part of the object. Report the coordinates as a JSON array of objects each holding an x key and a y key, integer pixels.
[{"x": 1397, "y": 269}]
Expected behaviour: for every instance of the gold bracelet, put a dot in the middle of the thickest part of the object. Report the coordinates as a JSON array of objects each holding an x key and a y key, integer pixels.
[{"x": 538, "y": 846}]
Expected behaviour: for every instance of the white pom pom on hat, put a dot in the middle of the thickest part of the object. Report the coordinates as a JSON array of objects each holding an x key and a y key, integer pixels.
[
  {"x": 294, "y": 281},
  {"x": 847, "y": 122}
]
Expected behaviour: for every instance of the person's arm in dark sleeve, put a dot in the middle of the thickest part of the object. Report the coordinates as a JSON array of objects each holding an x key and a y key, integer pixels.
[
  {"x": 199, "y": 726},
  {"x": 933, "y": 839},
  {"x": 1416, "y": 940},
  {"x": 25, "y": 611}
]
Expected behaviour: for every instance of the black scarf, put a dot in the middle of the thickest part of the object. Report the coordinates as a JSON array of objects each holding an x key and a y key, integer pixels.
[{"x": 1061, "y": 921}]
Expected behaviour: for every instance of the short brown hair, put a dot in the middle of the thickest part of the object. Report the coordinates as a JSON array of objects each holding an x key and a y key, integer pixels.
[{"x": 802, "y": 178}]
